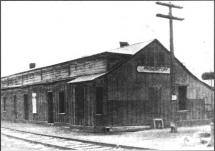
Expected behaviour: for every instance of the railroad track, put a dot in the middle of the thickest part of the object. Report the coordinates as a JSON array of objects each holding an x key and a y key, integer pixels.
[{"x": 63, "y": 143}]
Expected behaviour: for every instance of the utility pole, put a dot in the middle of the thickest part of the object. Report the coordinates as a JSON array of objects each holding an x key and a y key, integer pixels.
[{"x": 171, "y": 18}]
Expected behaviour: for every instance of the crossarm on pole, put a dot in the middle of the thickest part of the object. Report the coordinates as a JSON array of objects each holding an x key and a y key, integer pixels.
[
  {"x": 169, "y": 17},
  {"x": 169, "y": 5}
]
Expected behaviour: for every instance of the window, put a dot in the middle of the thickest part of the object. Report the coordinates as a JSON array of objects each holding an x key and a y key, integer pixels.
[
  {"x": 61, "y": 102},
  {"x": 99, "y": 100},
  {"x": 34, "y": 103},
  {"x": 4, "y": 103},
  {"x": 182, "y": 96}
]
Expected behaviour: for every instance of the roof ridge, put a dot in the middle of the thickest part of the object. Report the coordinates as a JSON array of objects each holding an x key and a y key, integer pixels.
[
  {"x": 131, "y": 45},
  {"x": 76, "y": 59}
]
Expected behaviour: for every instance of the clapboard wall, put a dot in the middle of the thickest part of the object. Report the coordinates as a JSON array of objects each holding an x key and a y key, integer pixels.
[
  {"x": 54, "y": 79},
  {"x": 99, "y": 63},
  {"x": 129, "y": 96},
  {"x": 130, "y": 92}
]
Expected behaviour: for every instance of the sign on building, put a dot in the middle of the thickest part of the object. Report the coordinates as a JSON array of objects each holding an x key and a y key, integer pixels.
[{"x": 150, "y": 69}]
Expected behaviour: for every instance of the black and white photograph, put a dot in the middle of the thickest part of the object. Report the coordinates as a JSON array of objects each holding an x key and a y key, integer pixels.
[{"x": 107, "y": 75}]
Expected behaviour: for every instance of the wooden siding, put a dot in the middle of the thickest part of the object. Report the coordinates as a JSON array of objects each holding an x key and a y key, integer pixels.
[
  {"x": 55, "y": 73},
  {"x": 4, "y": 82},
  {"x": 79, "y": 67},
  {"x": 128, "y": 102},
  {"x": 197, "y": 92},
  {"x": 128, "y": 94},
  {"x": 89, "y": 67},
  {"x": 31, "y": 77},
  {"x": 58, "y": 73},
  {"x": 42, "y": 105},
  {"x": 88, "y": 110},
  {"x": 114, "y": 60}
]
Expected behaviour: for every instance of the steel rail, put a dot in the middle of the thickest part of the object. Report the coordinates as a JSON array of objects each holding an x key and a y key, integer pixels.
[
  {"x": 84, "y": 141},
  {"x": 36, "y": 142}
]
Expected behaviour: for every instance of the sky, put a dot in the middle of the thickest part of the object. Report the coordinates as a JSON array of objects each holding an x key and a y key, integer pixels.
[{"x": 50, "y": 32}]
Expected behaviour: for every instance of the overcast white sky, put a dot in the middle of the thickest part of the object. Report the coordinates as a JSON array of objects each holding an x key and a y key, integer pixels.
[{"x": 51, "y": 32}]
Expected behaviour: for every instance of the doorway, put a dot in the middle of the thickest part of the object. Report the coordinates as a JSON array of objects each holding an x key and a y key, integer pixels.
[
  {"x": 50, "y": 107},
  {"x": 79, "y": 105},
  {"x": 26, "y": 108},
  {"x": 14, "y": 106},
  {"x": 99, "y": 100}
]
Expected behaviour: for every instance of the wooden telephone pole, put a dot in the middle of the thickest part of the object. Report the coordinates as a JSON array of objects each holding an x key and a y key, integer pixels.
[{"x": 171, "y": 18}]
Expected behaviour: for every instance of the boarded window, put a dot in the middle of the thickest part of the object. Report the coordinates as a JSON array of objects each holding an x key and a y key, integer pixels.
[
  {"x": 4, "y": 104},
  {"x": 99, "y": 100},
  {"x": 182, "y": 93},
  {"x": 61, "y": 102},
  {"x": 34, "y": 103}
]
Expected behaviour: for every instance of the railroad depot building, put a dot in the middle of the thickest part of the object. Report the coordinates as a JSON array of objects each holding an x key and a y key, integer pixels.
[{"x": 127, "y": 86}]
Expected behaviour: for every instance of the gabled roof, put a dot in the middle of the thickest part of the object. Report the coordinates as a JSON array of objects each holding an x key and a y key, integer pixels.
[
  {"x": 128, "y": 51},
  {"x": 181, "y": 64},
  {"x": 95, "y": 56},
  {"x": 136, "y": 48},
  {"x": 131, "y": 49},
  {"x": 123, "y": 51}
]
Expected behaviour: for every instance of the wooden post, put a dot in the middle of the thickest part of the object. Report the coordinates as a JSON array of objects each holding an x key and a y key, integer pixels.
[{"x": 172, "y": 73}]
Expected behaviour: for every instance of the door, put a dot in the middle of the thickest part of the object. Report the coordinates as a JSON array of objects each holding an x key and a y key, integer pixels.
[
  {"x": 99, "y": 100},
  {"x": 26, "y": 107},
  {"x": 79, "y": 105},
  {"x": 50, "y": 107}
]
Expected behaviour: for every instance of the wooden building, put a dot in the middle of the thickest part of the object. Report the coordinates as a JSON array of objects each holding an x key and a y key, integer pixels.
[{"x": 122, "y": 87}]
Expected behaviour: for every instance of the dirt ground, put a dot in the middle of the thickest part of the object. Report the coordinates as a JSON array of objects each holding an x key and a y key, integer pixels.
[{"x": 187, "y": 138}]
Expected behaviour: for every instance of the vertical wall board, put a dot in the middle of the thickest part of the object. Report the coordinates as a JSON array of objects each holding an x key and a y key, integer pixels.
[
  {"x": 73, "y": 104},
  {"x": 88, "y": 67},
  {"x": 91, "y": 106},
  {"x": 70, "y": 102},
  {"x": 88, "y": 106},
  {"x": 130, "y": 86},
  {"x": 85, "y": 105},
  {"x": 127, "y": 98}
]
